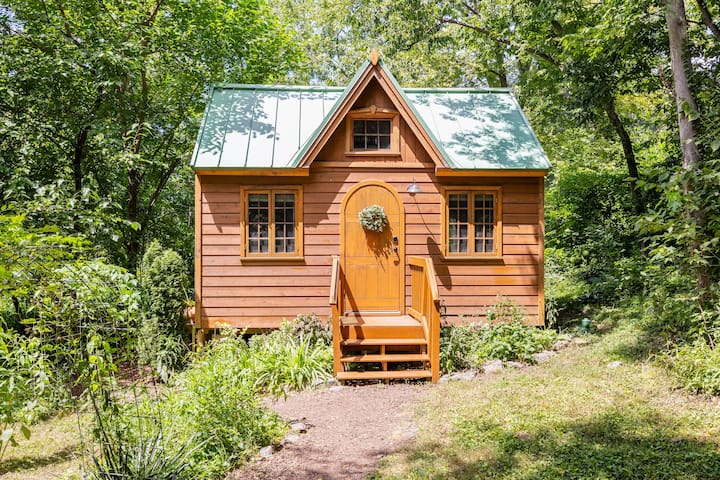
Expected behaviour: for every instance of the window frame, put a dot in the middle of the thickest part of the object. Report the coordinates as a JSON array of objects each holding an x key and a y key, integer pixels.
[
  {"x": 496, "y": 191},
  {"x": 373, "y": 114},
  {"x": 271, "y": 191}
]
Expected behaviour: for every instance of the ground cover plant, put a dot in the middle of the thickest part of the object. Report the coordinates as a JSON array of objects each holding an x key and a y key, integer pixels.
[
  {"x": 209, "y": 418},
  {"x": 502, "y": 337},
  {"x": 574, "y": 416}
]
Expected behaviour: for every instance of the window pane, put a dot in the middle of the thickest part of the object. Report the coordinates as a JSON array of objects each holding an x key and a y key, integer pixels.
[
  {"x": 384, "y": 126},
  {"x": 463, "y": 214},
  {"x": 371, "y": 142},
  {"x": 264, "y": 246},
  {"x": 385, "y": 142},
  {"x": 484, "y": 223},
  {"x": 258, "y": 224},
  {"x": 463, "y": 247},
  {"x": 284, "y": 222},
  {"x": 489, "y": 246},
  {"x": 359, "y": 142},
  {"x": 358, "y": 126},
  {"x": 371, "y": 126}
]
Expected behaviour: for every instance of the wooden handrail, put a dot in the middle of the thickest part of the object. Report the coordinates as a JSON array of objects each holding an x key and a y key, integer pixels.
[
  {"x": 334, "y": 280},
  {"x": 336, "y": 303},
  {"x": 425, "y": 307}
]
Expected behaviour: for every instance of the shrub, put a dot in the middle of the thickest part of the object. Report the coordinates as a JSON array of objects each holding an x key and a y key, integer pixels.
[
  {"x": 163, "y": 283},
  {"x": 282, "y": 363},
  {"x": 217, "y": 405},
  {"x": 24, "y": 376},
  {"x": 503, "y": 338},
  {"x": 697, "y": 366},
  {"x": 310, "y": 328}
]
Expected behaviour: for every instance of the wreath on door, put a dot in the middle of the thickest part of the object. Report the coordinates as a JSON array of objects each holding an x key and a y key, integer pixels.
[{"x": 373, "y": 218}]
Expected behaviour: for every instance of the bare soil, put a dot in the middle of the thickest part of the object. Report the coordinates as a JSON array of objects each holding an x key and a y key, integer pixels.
[{"x": 349, "y": 430}]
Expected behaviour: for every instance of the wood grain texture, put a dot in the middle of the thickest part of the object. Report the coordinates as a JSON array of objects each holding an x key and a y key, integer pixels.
[{"x": 261, "y": 295}]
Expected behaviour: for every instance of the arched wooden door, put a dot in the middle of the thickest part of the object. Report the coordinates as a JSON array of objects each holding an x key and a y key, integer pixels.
[{"x": 373, "y": 262}]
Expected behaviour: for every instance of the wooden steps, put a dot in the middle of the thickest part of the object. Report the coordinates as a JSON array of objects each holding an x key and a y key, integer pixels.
[
  {"x": 398, "y": 357},
  {"x": 362, "y": 342},
  {"x": 384, "y": 375},
  {"x": 382, "y": 348}
]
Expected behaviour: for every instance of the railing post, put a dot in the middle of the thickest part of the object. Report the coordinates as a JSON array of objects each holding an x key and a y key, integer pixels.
[{"x": 336, "y": 311}]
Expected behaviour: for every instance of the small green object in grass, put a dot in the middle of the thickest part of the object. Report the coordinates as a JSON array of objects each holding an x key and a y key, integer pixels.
[
  {"x": 585, "y": 325},
  {"x": 373, "y": 218}
]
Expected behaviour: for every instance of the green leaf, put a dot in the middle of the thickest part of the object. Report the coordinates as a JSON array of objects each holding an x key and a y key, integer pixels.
[{"x": 25, "y": 431}]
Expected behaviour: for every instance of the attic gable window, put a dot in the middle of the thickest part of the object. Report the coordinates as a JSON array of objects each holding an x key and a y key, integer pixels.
[
  {"x": 373, "y": 131},
  {"x": 273, "y": 223},
  {"x": 472, "y": 222}
]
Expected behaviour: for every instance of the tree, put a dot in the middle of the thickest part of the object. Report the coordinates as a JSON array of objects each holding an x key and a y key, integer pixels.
[{"x": 106, "y": 97}]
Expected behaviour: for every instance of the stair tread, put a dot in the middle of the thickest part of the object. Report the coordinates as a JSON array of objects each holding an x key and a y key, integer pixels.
[
  {"x": 379, "y": 321},
  {"x": 358, "y": 342},
  {"x": 388, "y": 357},
  {"x": 380, "y": 375}
]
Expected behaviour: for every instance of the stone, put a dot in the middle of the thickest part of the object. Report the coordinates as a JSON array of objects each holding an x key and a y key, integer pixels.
[
  {"x": 298, "y": 427},
  {"x": 335, "y": 388},
  {"x": 463, "y": 376},
  {"x": 266, "y": 452},
  {"x": 614, "y": 365},
  {"x": 544, "y": 356},
  {"x": 290, "y": 439},
  {"x": 560, "y": 344},
  {"x": 581, "y": 341},
  {"x": 492, "y": 366},
  {"x": 513, "y": 364}
]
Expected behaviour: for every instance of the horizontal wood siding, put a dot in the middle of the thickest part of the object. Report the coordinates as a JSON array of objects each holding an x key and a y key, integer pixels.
[{"x": 260, "y": 294}]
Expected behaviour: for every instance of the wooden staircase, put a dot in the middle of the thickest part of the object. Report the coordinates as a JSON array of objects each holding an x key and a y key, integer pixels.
[{"x": 388, "y": 347}]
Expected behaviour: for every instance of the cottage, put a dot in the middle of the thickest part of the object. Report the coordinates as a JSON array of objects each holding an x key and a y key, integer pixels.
[{"x": 376, "y": 206}]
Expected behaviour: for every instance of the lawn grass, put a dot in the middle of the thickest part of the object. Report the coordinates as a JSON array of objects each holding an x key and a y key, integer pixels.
[
  {"x": 572, "y": 417},
  {"x": 53, "y": 451}
]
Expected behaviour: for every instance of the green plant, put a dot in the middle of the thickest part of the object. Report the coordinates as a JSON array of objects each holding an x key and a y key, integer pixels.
[
  {"x": 310, "y": 328},
  {"x": 24, "y": 377},
  {"x": 282, "y": 363},
  {"x": 504, "y": 337},
  {"x": 697, "y": 367},
  {"x": 373, "y": 218},
  {"x": 215, "y": 402},
  {"x": 147, "y": 453},
  {"x": 163, "y": 285}
]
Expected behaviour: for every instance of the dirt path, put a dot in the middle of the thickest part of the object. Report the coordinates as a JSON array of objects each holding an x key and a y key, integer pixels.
[{"x": 349, "y": 430}]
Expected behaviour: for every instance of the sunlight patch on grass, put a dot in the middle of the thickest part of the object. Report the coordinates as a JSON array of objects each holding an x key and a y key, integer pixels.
[
  {"x": 53, "y": 451},
  {"x": 572, "y": 417}
]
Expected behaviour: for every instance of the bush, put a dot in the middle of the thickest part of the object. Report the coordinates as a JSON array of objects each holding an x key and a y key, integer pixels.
[
  {"x": 282, "y": 363},
  {"x": 504, "y": 338},
  {"x": 24, "y": 376},
  {"x": 697, "y": 367},
  {"x": 163, "y": 284},
  {"x": 310, "y": 328},
  {"x": 217, "y": 405}
]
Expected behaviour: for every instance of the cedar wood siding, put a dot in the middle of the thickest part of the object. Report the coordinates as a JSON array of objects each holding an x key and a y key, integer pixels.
[{"x": 260, "y": 294}]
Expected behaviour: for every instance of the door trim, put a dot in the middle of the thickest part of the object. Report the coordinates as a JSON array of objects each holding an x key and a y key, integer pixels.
[{"x": 401, "y": 233}]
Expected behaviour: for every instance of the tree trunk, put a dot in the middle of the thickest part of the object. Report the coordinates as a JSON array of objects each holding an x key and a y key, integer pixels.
[
  {"x": 78, "y": 157},
  {"x": 686, "y": 112},
  {"x": 638, "y": 204}
]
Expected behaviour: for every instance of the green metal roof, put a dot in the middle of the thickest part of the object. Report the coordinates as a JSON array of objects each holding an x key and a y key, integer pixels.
[{"x": 261, "y": 126}]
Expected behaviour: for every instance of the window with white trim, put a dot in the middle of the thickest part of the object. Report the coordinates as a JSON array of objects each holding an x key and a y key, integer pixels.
[
  {"x": 273, "y": 220},
  {"x": 472, "y": 225}
]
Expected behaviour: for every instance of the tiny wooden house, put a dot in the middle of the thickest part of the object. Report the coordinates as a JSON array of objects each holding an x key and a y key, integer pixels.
[{"x": 283, "y": 176}]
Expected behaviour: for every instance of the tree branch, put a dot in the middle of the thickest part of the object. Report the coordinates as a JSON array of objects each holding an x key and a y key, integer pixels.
[
  {"x": 707, "y": 18},
  {"x": 499, "y": 40}
]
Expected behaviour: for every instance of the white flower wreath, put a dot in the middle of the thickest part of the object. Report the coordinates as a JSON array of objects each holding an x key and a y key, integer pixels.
[{"x": 373, "y": 218}]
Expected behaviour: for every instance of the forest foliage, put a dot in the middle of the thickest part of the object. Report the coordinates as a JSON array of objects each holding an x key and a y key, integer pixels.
[{"x": 100, "y": 103}]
